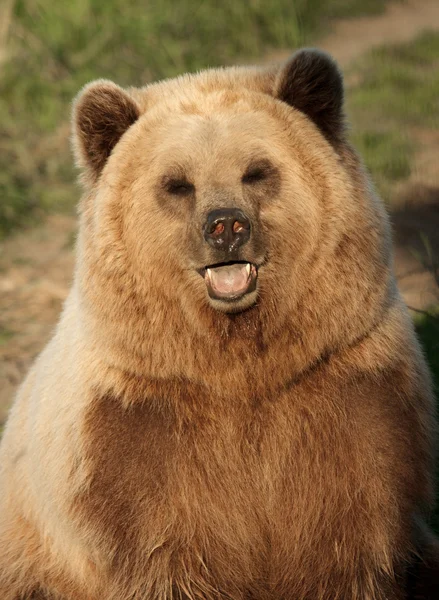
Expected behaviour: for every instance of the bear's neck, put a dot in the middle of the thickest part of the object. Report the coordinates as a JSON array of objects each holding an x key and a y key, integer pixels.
[{"x": 235, "y": 357}]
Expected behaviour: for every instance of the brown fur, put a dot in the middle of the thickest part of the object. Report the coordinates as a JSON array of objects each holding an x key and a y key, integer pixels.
[
  {"x": 312, "y": 83},
  {"x": 101, "y": 117},
  {"x": 164, "y": 447}
]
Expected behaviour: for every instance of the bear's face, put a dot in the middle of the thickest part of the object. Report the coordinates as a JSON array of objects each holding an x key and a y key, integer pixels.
[
  {"x": 218, "y": 197},
  {"x": 228, "y": 206},
  {"x": 215, "y": 199}
]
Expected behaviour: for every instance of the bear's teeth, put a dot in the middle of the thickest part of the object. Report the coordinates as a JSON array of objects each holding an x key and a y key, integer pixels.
[
  {"x": 228, "y": 280},
  {"x": 248, "y": 269}
]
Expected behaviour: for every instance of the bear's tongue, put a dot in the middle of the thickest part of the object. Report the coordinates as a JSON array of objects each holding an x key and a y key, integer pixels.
[{"x": 229, "y": 281}]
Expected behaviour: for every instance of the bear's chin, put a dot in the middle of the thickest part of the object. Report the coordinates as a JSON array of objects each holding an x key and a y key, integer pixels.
[{"x": 235, "y": 305}]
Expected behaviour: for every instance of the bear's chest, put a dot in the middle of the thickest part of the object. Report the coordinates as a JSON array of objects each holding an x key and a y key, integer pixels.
[
  {"x": 191, "y": 499},
  {"x": 221, "y": 503}
]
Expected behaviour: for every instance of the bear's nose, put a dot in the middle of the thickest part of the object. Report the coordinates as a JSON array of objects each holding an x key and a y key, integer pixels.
[{"x": 227, "y": 229}]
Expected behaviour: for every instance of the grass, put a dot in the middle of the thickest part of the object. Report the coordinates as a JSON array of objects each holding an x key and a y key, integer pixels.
[
  {"x": 49, "y": 50},
  {"x": 395, "y": 92},
  {"x": 5, "y": 335}
]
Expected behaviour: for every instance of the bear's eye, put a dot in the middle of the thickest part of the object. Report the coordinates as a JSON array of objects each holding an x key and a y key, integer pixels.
[
  {"x": 179, "y": 187},
  {"x": 257, "y": 172}
]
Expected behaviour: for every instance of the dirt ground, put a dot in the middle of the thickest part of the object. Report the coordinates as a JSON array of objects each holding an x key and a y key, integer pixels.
[{"x": 36, "y": 266}]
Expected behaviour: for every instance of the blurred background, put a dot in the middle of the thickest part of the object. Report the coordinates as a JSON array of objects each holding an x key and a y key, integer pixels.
[{"x": 389, "y": 52}]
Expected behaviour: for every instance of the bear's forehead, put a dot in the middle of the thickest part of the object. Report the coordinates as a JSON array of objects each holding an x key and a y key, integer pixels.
[
  {"x": 228, "y": 109},
  {"x": 222, "y": 121},
  {"x": 214, "y": 136},
  {"x": 216, "y": 124},
  {"x": 206, "y": 108},
  {"x": 226, "y": 117}
]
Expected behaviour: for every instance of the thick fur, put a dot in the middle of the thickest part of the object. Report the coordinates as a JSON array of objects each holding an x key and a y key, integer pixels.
[
  {"x": 312, "y": 83},
  {"x": 101, "y": 116},
  {"x": 161, "y": 448}
]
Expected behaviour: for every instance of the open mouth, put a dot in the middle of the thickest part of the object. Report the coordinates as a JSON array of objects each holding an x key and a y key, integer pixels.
[{"x": 230, "y": 281}]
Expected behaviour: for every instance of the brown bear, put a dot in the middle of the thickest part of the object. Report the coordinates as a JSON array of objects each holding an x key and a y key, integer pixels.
[{"x": 234, "y": 404}]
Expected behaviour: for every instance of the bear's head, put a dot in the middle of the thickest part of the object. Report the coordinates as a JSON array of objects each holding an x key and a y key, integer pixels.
[{"x": 230, "y": 192}]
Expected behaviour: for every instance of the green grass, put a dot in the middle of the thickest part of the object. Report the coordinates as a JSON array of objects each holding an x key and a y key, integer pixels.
[
  {"x": 396, "y": 90},
  {"x": 5, "y": 335},
  {"x": 387, "y": 154},
  {"x": 54, "y": 48}
]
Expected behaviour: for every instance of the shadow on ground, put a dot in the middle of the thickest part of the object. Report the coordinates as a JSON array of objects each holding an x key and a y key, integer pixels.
[{"x": 416, "y": 222}]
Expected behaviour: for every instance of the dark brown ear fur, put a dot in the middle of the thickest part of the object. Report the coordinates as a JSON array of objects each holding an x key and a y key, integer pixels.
[
  {"x": 102, "y": 113},
  {"x": 311, "y": 82}
]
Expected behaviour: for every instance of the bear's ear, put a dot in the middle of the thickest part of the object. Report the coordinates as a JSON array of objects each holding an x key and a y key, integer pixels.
[
  {"x": 102, "y": 112},
  {"x": 311, "y": 82}
]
